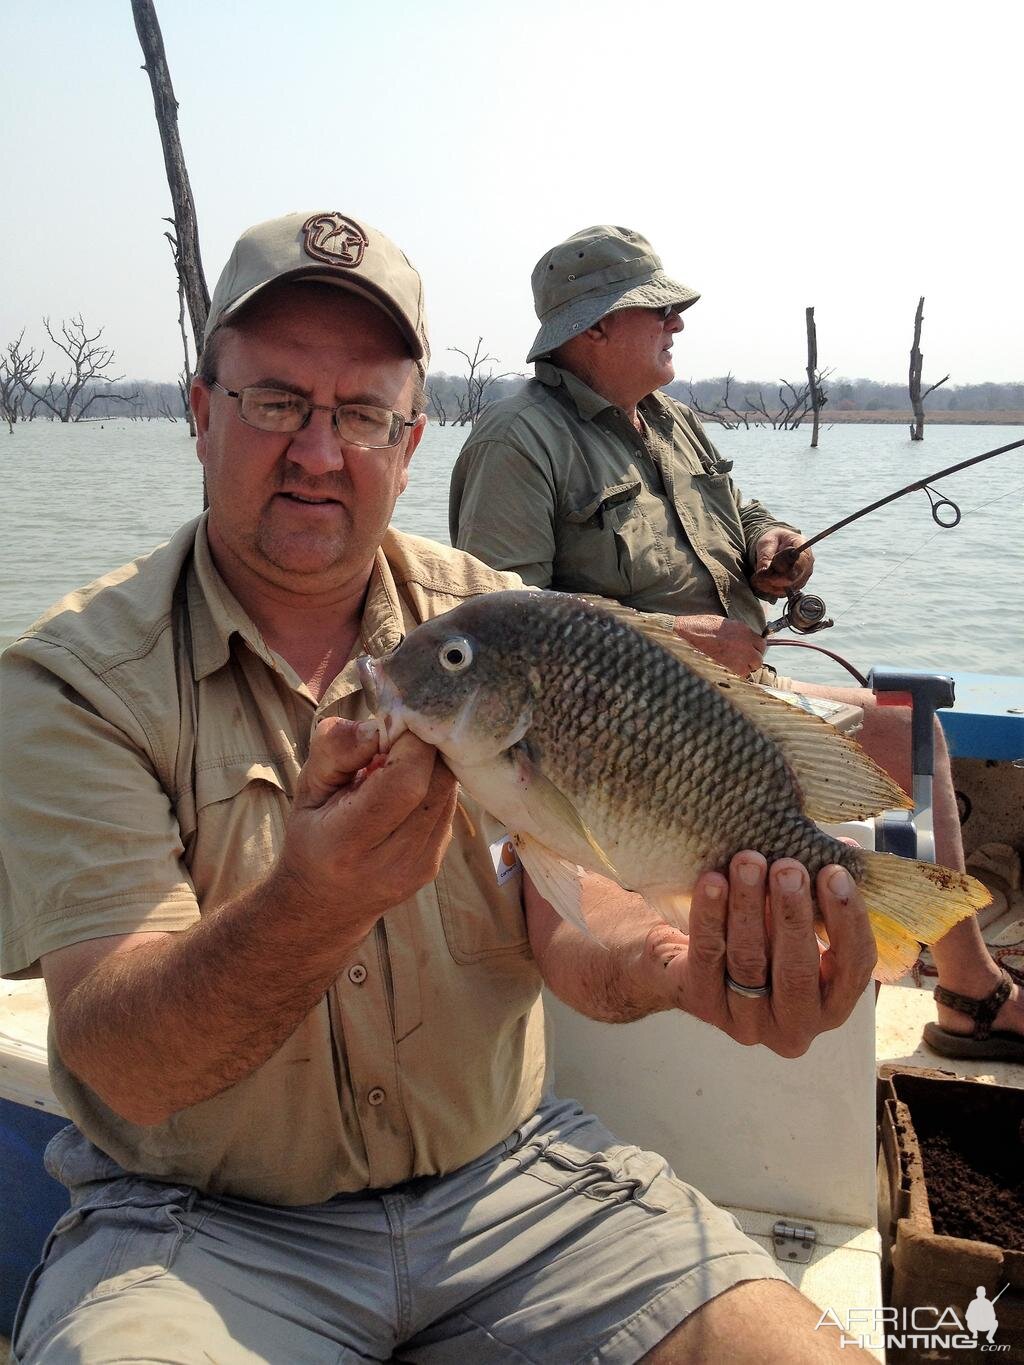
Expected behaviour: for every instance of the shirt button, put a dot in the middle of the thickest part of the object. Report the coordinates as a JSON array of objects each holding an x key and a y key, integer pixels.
[
  {"x": 357, "y": 974},
  {"x": 376, "y": 1095}
]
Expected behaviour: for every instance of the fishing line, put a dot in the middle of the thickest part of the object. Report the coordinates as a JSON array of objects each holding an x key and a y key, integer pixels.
[
  {"x": 936, "y": 500},
  {"x": 851, "y": 606},
  {"x": 805, "y": 613}
]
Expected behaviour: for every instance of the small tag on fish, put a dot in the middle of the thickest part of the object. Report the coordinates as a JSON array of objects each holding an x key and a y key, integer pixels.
[{"x": 505, "y": 859}]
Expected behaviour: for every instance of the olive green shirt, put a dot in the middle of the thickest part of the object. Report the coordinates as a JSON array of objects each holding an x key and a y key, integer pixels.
[
  {"x": 557, "y": 484},
  {"x": 149, "y": 752}
]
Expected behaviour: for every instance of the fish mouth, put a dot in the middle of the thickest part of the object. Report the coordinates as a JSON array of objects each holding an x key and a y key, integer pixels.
[{"x": 384, "y": 702}]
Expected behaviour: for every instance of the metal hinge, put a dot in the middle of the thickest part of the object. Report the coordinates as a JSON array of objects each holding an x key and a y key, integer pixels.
[{"x": 793, "y": 1241}]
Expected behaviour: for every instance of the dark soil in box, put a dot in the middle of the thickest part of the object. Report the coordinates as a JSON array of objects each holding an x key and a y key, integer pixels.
[{"x": 973, "y": 1157}]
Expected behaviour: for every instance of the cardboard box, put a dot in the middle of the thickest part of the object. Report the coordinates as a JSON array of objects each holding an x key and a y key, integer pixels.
[{"x": 921, "y": 1268}]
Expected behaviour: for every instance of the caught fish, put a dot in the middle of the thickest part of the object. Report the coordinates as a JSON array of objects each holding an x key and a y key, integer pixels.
[{"x": 603, "y": 741}]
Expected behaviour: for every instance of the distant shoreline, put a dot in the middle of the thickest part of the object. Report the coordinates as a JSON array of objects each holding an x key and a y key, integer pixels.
[{"x": 894, "y": 417}]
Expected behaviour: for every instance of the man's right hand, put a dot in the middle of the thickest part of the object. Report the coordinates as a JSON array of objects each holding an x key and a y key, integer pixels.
[
  {"x": 359, "y": 842},
  {"x": 730, "y": 643}
]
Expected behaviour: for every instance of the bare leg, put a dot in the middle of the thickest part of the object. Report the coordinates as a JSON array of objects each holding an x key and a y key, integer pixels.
[
  {"x": 755, "y": 1323},
  {"x": 961, "y": 958}
]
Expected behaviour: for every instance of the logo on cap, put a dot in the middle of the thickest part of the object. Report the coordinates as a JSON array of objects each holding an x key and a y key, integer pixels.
[{"x": 333, "y": 238}]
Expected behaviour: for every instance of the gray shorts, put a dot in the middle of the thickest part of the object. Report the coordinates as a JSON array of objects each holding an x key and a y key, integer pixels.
[{"x": 559, "y": 1245}]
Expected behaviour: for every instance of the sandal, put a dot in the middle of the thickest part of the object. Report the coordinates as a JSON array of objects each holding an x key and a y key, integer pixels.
[{"x": 983, "y": 1042}]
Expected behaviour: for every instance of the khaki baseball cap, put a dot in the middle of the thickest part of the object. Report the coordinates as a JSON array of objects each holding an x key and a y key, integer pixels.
[
  {"x": 593, "y": 273},
  {"x": 333, "y": 248}
]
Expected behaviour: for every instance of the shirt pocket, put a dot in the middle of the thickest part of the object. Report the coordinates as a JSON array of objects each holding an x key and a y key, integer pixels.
[
  {"x": 241, "y": 804},
  {"x": 716, "y": 504},
  {"x": 609, "y": 546},
  {"x": 480, "y": 919}
]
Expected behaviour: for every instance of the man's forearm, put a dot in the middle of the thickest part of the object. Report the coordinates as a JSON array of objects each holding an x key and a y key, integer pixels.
[
  {"x": 609, "y": 977},
  {"x": 173, "y": 1022}
]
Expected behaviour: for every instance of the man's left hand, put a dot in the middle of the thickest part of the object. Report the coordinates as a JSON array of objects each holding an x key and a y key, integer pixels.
[
  {"x": 775, "y": 581},
  {"x": 730, "y": 933}
]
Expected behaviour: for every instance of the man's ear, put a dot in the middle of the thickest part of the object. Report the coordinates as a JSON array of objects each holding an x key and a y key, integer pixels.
[{"x": 199, "y": 401}]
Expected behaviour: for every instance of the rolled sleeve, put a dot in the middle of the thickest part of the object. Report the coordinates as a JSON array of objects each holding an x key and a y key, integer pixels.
[{"x": 89, "y": 843}]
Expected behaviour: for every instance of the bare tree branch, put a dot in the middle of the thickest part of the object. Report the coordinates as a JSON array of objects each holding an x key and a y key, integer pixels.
[
  {"x": 185, "y": 377},
  {"x": 188, "y": 257},
  {"x": 815, "y": 377},
  {"x": 477, "y": 384},
  {"x": 88, "y": 359},
  {"x": 17, "y": 371},
  {"x": 916, "y": 370},
  {"x": 712, "y": 414}
]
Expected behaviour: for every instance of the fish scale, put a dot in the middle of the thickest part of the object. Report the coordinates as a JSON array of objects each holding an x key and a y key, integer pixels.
[{"x": 683, "y": 713}]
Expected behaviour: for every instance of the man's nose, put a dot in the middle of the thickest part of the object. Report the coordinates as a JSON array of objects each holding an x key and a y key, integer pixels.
[
  {"x": 317, "y": 448},
  {"x": 674, "y": 322}
]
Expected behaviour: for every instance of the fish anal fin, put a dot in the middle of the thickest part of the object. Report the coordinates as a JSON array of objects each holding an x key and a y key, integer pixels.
[
  {"x": 557, "y": 880},
  {"x": 673, "y": 906}
]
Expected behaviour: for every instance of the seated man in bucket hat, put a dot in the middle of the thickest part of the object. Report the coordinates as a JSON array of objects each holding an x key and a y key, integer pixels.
[
  {"x": 296, "y": 1016},
  {"x": 592, "y": 480}
]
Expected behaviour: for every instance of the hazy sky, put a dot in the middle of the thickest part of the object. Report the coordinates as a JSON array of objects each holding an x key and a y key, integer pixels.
[{"x": 852, "y": 156}]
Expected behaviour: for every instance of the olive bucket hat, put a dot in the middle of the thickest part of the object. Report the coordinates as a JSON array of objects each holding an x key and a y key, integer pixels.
[
  {"x": 332, "y": 248},
  {"x": 593, "y": 273}
]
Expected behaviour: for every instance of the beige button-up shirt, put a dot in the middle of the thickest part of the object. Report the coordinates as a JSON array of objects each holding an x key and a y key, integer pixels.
[
  {"x": 150, "y": 747},
  {"x": 557, "y": 484}
]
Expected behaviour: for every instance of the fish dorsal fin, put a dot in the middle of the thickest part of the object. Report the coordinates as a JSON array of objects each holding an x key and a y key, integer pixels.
[
  {"x": 837, "y": 779},
  {"x": 557, "y": 880}
]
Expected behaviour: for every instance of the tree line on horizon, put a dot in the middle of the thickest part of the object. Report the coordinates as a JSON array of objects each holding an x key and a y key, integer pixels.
[{"x": 80, "y": 389}]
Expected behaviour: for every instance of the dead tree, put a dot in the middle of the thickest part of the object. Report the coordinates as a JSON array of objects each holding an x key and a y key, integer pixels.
[
  {"x": 185, "y": 377},
  {"x": 474, "y": 398},
  {"x": 723, "y": 411},
  {"x": 814, "y": 376},
  {"x": 436, "y": 404},
  {"x": 66, "y": 398},
  {"x": 916, "y": 367},
  {"x": 17, "y": 371},
  {"x": 794, "y": 404},
  {"x": 188, "y": 258},
  {"x": 184, "y": 391}
]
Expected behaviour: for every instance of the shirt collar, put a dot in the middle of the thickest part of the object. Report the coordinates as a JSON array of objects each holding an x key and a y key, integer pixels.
[
  {"x": 587, "y": 402},
  {"x": 215, "y": 615}
]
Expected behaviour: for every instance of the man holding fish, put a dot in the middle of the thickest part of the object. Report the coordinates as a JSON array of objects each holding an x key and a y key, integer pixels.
[
  {"x": 295, "y": 988},
  {"x": 590, "y": 480}
]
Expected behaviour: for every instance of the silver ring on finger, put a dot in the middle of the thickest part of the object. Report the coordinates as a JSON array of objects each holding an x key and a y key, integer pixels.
[{"x": 750, "y": 992}]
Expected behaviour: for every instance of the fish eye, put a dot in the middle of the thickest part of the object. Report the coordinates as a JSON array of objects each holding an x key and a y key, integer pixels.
[{"x": 455, "y": 655}]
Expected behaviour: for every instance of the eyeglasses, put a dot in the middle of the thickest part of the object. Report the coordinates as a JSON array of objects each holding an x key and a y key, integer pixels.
[
  {"x": 668, "y": 311},
  {"x": 358, "y": 424}
]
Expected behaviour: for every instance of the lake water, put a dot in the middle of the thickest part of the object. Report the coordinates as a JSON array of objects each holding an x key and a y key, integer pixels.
[{"x": 80, "y": 499}]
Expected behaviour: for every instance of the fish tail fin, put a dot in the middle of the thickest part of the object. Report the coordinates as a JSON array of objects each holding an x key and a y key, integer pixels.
[{"x": 910, "y": 903}]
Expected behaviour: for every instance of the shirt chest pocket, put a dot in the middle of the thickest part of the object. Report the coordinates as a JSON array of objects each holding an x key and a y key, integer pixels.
[
  {"x": 609, "y": 545},
  {"x": 715, "y": 503},
  {"x": 482, "y": 916},
  {"x": 241, "y": 805}
]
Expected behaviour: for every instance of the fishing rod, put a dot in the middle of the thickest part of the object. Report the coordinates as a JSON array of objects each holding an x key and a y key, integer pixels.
[{"x": 804, "y": 612}]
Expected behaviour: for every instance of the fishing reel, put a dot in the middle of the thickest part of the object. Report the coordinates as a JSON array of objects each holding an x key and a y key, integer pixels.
[{"x": 803, "y": 613}]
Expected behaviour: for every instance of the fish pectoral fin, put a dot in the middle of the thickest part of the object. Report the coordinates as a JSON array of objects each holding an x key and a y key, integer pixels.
[
  {"x": 557, "y": 880},
  {"x": 673, "y": 906},
  {"x": 553, "y": 806}
]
